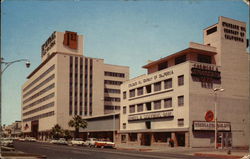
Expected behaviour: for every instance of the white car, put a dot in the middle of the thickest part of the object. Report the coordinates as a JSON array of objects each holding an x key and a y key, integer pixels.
[
  {"x": 76, "y": 141},
  {"x": 31, "y": 139},
  {"x": 246, "y": 156},
  {"x": 60, "y": 141},
  {"x": 90, "y": 142},
  {"x": 7, "y": 142}
]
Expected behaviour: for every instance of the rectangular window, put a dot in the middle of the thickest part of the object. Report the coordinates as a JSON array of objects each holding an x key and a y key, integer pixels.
[
  {"x": 132, "y": 136},
  {"x": 148, "y": 106},
  {"x": 204, "y": 58},
  {"x": 157, "y": 104},
  {"x": 212, "y": 30},
  {"x": 124, "y": 109},
  {"x": 168, "y": 83},
  {"x": 124, "y": 125},
  {"x": 123, "y": 138},
  {"x": 180, "y": 59},
  {"x": 124, "y": 95},
  {"x": 148, "y": 88},
  {"x": 132, "y": 93},
  {"x": 131, "y": 108},
  {"x": 157, "y": 86},
  {"x": 180, "y": 100},
  {"x": 181, "y": 80},
  {"x": 139, "y": 107},
  {"x": 180, "y": 122},
  {"x": 114, "y": 74},
  {"x": 162, "y": 65},
  {"x": 168, "y": 103},
  {"x": 140, "y": 91}
]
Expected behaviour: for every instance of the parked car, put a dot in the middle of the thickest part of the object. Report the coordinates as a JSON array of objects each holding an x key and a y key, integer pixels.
[
  {"x": 246, "y": 156},
  {"x": 7, "y": 142},
  {"x": 76, "y": 141},
  {"x": 31, "y": 139},
  {"x": 21, "y": 139},
  {"x": 90, "y": 142},
  {"x": 60, "y": 141},
  {"x": 104, "y": 143}
]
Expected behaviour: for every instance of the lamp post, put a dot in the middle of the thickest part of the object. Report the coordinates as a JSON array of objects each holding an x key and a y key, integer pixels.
[
  {"x": 2, "y": 69},
  {"x": 215, "y": 114},
  {"x": 114, "y": 126}
]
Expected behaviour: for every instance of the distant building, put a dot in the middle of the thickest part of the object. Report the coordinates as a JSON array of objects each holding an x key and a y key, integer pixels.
[
  {"x": 12, "y": 130},
  {"x": 67, "y": 83},
  {"x": 176, "y": 100}
]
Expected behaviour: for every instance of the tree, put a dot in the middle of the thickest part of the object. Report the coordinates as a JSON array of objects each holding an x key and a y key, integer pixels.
[
  {"x": 57, "y": 132},
  {"x": 67, "y": 134},
  {"x": 77, "y": 122}
]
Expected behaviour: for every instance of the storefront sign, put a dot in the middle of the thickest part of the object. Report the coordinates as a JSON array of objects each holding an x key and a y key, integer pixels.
[
  {"x": 151, "y": 78},
  {"x": 210, "y": 126},
  {"x": 153, "y": 115},
  {"x": 51, "y": 41},
  {"x": 205, "y": 73}
]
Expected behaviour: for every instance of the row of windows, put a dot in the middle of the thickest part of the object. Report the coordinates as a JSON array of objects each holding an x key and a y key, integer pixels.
[
  {"x": 88, "y": 74},
  {"x": 108, "y": 90},
  {"x": 40, "y": 85},
  {"x": 114, "y": 74},
  {"x": 39, "y": 109},
  {"x": 112, "y": 99},
  {"x": 112, "y": 82},
  {"x": 39, "y": 101},
  {"x": 40, "y": 93},
  {"x": 111, "y": 107},
  {"x": 39, "y": 116},
  {"x": 156, "y": 87},
  {"x": 40, "y": 77},
  {"x": 167, "y": 103}
]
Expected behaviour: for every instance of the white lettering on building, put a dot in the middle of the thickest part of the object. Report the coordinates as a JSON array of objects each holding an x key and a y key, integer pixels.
[
  {"x": 152, "y": 115},
  {"x": 151, "y": 78}
]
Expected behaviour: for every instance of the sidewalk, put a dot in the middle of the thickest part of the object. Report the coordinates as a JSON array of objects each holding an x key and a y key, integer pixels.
[{"x": 202, "y": 152}]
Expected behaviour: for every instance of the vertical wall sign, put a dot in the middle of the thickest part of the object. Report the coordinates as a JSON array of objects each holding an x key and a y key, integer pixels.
[{"x": 70, "y": 39}]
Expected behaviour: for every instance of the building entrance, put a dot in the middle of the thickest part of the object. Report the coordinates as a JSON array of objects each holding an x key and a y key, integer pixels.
[
  {"x": 146, "y": 139},
  {"x": 180, "y": 139},
  {"x": 34, "y": 129}
]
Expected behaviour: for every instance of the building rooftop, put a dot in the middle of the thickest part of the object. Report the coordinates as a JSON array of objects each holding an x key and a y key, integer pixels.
[{"x": 193, "y": 48}]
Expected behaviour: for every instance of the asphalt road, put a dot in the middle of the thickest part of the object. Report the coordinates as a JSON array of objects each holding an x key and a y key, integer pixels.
[{"x": 78, "y": 152}]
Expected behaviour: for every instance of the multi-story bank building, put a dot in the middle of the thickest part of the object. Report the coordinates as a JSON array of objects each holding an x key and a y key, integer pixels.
[
  {"x": 67, "y": 83},
  {"x": 177, "y": 98}
]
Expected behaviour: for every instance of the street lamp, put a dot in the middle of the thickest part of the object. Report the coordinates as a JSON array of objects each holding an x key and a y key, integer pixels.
[
  {"x": 215, "y": 114},
  {"x": 2, "y": 69}
]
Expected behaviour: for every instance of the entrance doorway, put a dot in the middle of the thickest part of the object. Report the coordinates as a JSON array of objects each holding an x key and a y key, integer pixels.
[
  {"x": 34, "y": 129},
  {"x": 180, "y": 139},
  {"x": 146, "y": 139}
]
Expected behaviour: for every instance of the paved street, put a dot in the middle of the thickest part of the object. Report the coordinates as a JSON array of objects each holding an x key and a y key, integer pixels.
[{"x": 73, "y": 152}]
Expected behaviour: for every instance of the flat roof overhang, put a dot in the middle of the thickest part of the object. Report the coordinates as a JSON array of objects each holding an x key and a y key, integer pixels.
[{"x": 183, "y": 52}]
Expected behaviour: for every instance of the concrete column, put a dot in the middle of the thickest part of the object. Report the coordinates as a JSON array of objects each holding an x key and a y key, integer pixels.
[
  {"x": 173, "y": 136},
  {"x": 187, "y": 144}
]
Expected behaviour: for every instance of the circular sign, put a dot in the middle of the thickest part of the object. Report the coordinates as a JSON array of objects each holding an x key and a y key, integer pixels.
[{"x": 209, "y": 116}]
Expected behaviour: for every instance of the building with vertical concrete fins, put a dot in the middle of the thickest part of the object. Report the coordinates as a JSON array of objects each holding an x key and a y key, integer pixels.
[
  {"x": 176, "y": 98},
  {"x": 67, "y": 83}
]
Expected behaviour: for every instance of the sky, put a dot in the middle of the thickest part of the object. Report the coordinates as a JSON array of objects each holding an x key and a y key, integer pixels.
[{"x": 122, "y": 32}]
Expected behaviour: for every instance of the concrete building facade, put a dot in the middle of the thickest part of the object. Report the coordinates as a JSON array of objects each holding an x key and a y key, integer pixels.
[
  {"x": 176, "y": 100},
  {"x": 67, "y": 83}
]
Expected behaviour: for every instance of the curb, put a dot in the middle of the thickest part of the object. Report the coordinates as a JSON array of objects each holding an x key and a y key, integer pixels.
[
  {"x": 134, "y": 149},
  {"x": 216, "y": 155}
]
